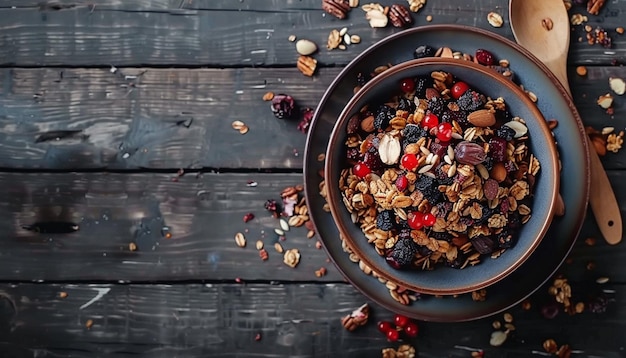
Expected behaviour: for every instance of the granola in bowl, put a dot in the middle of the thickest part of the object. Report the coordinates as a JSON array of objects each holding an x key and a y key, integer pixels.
[{"x": 432, "y": 171}]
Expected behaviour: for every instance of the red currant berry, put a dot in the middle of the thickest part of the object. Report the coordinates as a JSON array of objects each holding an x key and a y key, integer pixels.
[
  {"x": 402, "y": 183},
  {"x": 385, "y": 326},
  {"x": 430, "y": 121},
  {"x": 411, "y": 329},
  {"x": 407, "y": 85},
  {"x": 409, "y": 161},
  {"x": 416, "y": 221},
  {"x": 429, "y": 219},
  {"x": 400, "y": 320},
  {"x": 444, "y": 132},
  {"x": 361, "y": 169},
  {"x": 393, "y": 335},
  {"x": 458, "y": 89}
]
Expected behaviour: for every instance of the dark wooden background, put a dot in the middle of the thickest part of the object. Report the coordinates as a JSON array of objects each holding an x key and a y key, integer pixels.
[{"x": 185, "y": 69}]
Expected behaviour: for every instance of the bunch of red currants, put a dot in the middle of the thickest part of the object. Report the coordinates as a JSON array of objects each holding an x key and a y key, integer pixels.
[{"x": 400, "y": 324}]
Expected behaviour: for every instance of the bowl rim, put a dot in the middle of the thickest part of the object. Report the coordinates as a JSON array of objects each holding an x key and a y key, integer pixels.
[{"x": 334, "y": 197}]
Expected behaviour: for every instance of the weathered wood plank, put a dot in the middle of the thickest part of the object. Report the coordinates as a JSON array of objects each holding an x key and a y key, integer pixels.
[
  {"x": 226, "y": 33},
  {"x": 129, "y": 123},
  {"x": 292, "y": 320},
  {"x": 202, "y": 214},
  {"x": 113, "y": 210},
  {"x": 134, "y": 127}
]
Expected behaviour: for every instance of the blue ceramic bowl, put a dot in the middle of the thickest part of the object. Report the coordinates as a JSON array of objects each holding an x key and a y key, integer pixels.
[{"x": 443, "y": 280}]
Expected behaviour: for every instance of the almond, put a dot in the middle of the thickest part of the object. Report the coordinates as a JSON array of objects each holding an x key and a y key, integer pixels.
[
  {"x": 367, "y": 124},
  {"x": 431, "y": 93},
  {"x": 482, "y": 118},
  {"x": 498, "y": 172}
]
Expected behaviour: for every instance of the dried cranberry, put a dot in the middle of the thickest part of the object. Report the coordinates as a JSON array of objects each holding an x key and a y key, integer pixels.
[
  {"x": 305, "y": 122},
  {"x": 283, "y": 106},
  {"x": 372, "y": 160},
  {"x": 497, "y": 149},
  {"x": 438, "y": 148},
  {"x": 491, "y": 189},
  {"x": 248, "y": 217},
  {"x": 485, "y": 57},
  {"x": 402, "y": 183}
]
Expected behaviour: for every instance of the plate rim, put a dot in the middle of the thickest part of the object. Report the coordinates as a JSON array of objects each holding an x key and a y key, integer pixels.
[{"x": 309, "y": 191}]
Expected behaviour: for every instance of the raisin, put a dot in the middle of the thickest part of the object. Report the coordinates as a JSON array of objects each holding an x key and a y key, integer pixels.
[
  {"x": 469, "y": 153},
  {"x": 483, "y": 244}
]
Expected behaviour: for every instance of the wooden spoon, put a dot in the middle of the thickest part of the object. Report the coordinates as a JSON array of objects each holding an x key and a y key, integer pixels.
[{"x": 542, "y": 27}]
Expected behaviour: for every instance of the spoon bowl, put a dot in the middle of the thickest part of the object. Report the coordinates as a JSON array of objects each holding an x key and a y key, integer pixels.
[{"x": 542, "y": 27}]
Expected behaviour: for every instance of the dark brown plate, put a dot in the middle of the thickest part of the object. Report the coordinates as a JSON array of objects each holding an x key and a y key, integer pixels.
[{"x": 553, "y": 103}]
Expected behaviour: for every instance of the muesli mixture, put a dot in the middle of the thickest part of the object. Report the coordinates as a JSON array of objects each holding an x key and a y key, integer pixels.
[{"x": 440, "y": 174}]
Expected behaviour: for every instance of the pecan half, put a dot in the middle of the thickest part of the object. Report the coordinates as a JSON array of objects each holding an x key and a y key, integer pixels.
[
  {"x": 307, "y": 65},
  {"x": 337, "y": 8},
  {"x": 400, "y": 16}
]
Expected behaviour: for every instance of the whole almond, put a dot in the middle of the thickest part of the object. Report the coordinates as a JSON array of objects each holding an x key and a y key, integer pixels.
[
  {"x": 482, "y": 118},
  {"x": 431, "y": 93},
  {"x": 498, "y": 172}
]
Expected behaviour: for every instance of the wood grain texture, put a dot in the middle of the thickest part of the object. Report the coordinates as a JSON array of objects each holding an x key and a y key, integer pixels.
[
  {"x": 300, "y": 320},
  {"x": 203, "y": 214},
  {"x": 226, "y": 32},
  {"x": 113, "y": 210},
  {"x": 131, "y": 123}
]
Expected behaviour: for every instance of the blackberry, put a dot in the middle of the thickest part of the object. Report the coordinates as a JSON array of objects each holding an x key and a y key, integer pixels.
[
  {"x": 437, "y": 105},
  {"x": 471, "y": 101},
  {"x": 483, "y": 244},
  {"x": 424, "y": 51},
  {"x": 403, "y": 226},
  {"x": 505, "y": 132},
  {"x": 503, "y": 115},
  {"x": 412, "y": 133},
  {"x": 421, "y": 84},
  {"x": 459, "y": 116},
  {"x": 505, "y": 239},
  {"x": 442, "y": 175},
  {"x": 385, "y": 220},
  {"x": 384, "y": 114},
  {"x": 406, "y": 104},
  {"x": 403, "y": 252},
  {"x": 404, "y": 234},
  {"x": 429, "y": 188}
]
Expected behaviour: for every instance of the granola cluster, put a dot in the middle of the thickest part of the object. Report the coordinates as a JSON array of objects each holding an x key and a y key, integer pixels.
[{"x": 439, "y": 174}]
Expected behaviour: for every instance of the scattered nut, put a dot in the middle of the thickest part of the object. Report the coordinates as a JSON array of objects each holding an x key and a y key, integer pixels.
[
  {"x": 619, "y": 30},
  {"x": 291, "y": 257},
  {"x": 376, "y": 18},
  {"x": 355, "y": 39},
  {"x": 498, "y": 338},
  {"x": 429, "y": 18},
  {"x": 605, "y": 101},
  {"x": 268, "y": 96},
  {"x": 618, "y": 85},
  {"x": 353, "y": 3},
  {"x": 602, "y": 280},
  {"x": 240, "y": 239},
  {"x": 132, "y": 246},
  {"x": 593, "y": 6},
  {"x": 578, "y": 19},
  {"x": 495, "y": 19},
  {"x": 400, "y": 16},
  {"x": 89, "y": 323},
  {"x": 307, "y": 65},
  {"x": 337, "y": 8},
  {"x": 306, "y": 47},
  {"x": 357, "y": 318},
  {"x": 550, "y": 346},
  {"x": 334, "y": 39},
  {"x": 581, "y": 70},
  {"x": 321, "y": 272},
  {"x": 259, "y": 245},
  {"x": 63, "y": 294},
  {"x": 291, "y": 38},
  {"x": 416, "y": 5},
  {"x": 263, "y": 254}
]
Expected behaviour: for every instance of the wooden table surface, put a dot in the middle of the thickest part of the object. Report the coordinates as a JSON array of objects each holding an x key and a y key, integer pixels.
[{"x": 151, "y": 88}]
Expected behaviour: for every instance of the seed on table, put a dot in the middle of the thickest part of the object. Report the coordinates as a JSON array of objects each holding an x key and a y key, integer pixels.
[
  {"x": 498, "y": 338},
  {"x": 602, "y": 280},
  {"x": 581, "y": 70},
  {"x": 62, "y": 294},
  {"x": 284, "y": 225},
  {"x": 89, "y": 323},
  {"x": 355, "y": 39},
  {"x": 343, "y": 31},
  {"x": 495, "y": 19},
  {"x": 259, "y": 245},
  {"x": 508, "y": 318},
  {"x": 291, "y": 38},
  {"x": 132, "y": 246},
  {"x": 263, "y": 254},
  {"x": 237, "y": 125},
  {"x": 240, "y": 239},
  {"x": 279, "y": 248},
  {"x": 279, "y": 232},
  {"x": 268, "y": 96},
  {"x": 496, "y": 324},
  {"x": 429, "y": 18}
]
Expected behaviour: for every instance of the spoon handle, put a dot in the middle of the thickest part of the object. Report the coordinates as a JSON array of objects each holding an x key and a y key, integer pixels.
[{"x": 603, "y": 202}]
